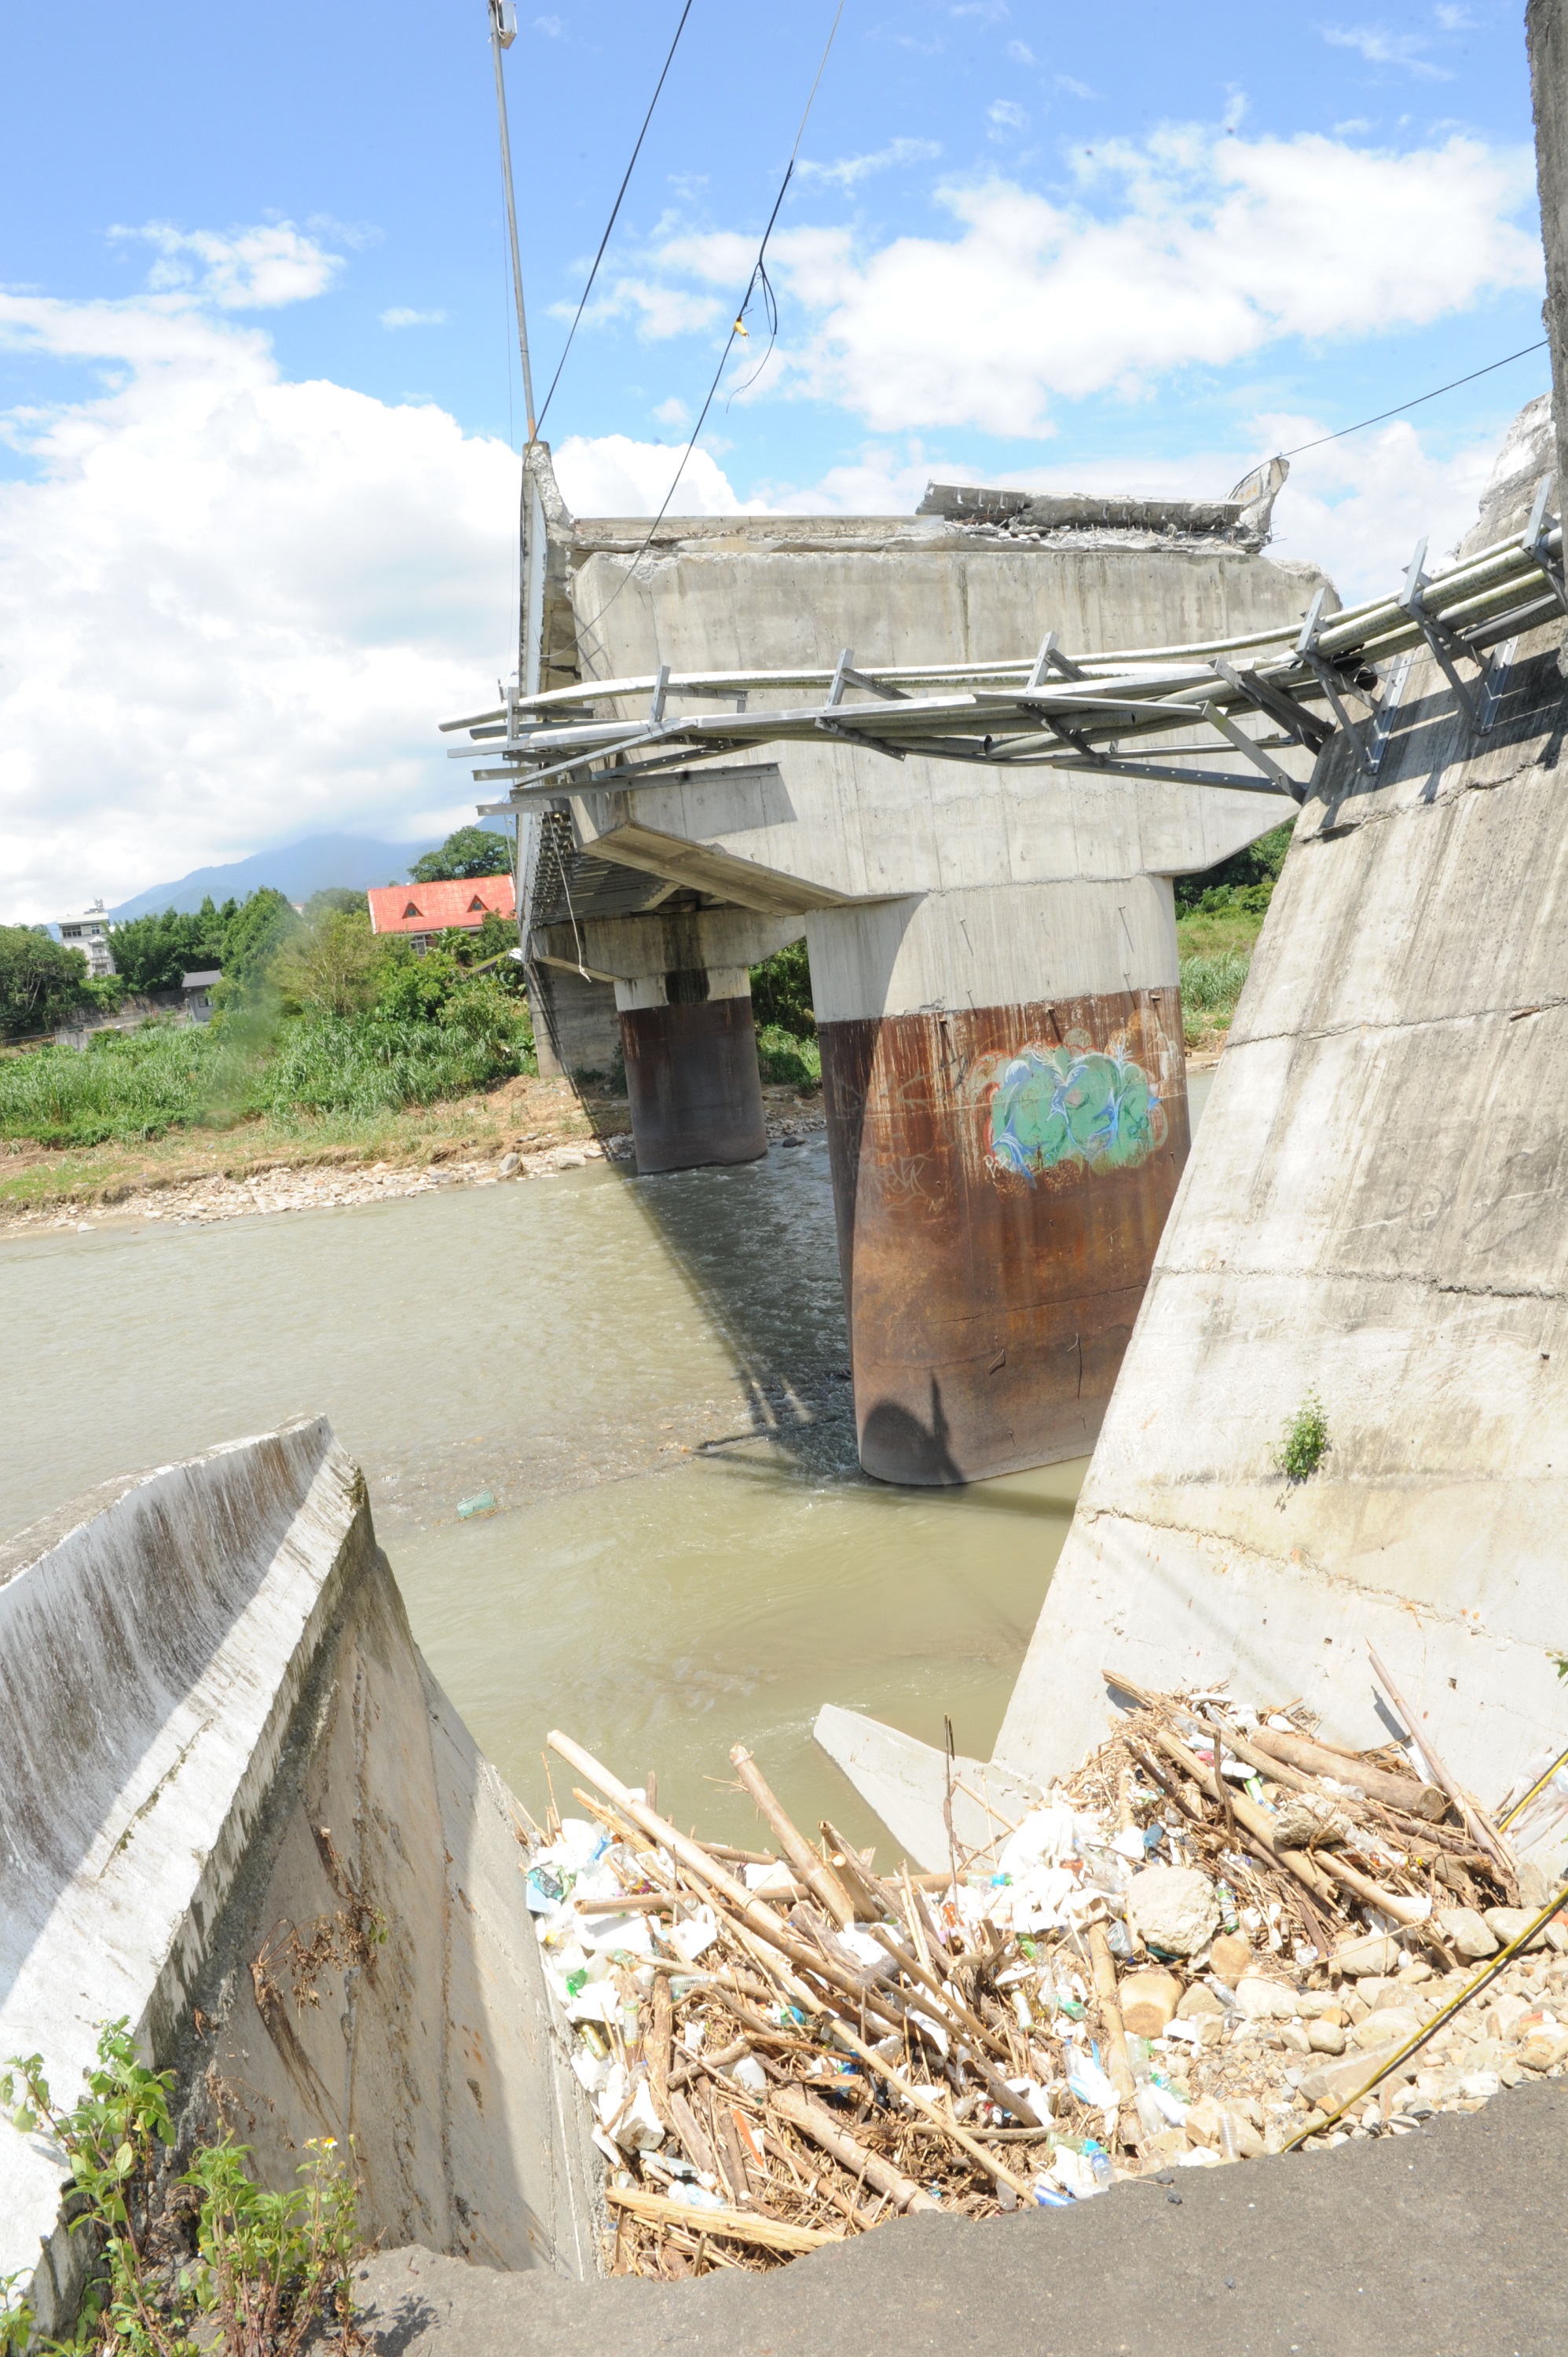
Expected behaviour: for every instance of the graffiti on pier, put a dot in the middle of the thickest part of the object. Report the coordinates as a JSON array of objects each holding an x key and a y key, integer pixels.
[{"x": 1056, "y": 1109}]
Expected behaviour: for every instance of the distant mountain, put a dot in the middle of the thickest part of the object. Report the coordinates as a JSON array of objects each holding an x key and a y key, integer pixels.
[{"x": 297, "y": 870}]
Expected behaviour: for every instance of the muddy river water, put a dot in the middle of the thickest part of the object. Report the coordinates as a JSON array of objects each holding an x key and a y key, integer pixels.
[{"x": 649, "y": 1377}]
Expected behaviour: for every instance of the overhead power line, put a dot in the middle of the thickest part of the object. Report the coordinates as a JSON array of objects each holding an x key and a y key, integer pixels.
[
  {"x": 1399, "y": 409},
  {"x": 610, "y": 225},
  {"x": 759, "y": 275}
]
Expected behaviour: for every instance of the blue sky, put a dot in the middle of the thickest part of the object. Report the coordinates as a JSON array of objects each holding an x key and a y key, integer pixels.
[{"x": 257, "y": 378}]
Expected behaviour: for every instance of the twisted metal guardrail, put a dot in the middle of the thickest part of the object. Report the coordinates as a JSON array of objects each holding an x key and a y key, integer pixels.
[{"x": 1147, "y": 713}]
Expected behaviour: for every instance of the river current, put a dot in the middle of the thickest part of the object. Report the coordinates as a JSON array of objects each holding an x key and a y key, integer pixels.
[{"x": 649, "y": 1380}]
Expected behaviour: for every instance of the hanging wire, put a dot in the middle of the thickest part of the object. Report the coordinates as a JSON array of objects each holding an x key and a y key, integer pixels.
[
  {"x": 610, "y": 225},
  {"x": 1399, "y": 412},
  {"x": 758, "y": 278}
]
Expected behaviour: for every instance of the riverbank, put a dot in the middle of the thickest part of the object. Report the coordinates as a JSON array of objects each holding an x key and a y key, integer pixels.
[{"x": 266, "y": 1166}]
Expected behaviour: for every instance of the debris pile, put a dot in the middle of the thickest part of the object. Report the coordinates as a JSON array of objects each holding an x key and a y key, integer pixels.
[{"x": 1202, "y": 1947}]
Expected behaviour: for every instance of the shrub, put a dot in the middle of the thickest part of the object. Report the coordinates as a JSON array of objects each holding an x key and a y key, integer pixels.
[
  {"x": 1304, "y": 1443},
  {"x": 41, "y": 981},
  {"x": 787, "y": 1061},
  {"x": 267, "y": 2269}
]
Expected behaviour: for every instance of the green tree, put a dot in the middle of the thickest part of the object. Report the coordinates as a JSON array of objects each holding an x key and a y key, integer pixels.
[
  {"x": 41, "y": 981},
  {"x": 254, "y": 935},
  {"x": 328, "y": 965},
  {"x": 468, "y": 851},
  {"x": 334, "y": 896},
  {"x": 781, "y": 992},
  {"x": 1245, "y": 880}
]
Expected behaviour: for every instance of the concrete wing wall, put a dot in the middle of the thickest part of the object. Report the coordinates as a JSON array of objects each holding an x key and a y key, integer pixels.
[
  {"x": 223, "y": 1757},
  {"x": 1373, "y": 1209}
]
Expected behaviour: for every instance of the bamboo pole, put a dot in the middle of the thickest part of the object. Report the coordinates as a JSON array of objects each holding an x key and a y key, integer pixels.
[
  {"x": 814, "y": 2120},
  {"x": 813, "y": 1871},
  {"x": 737, "y": 2226}
]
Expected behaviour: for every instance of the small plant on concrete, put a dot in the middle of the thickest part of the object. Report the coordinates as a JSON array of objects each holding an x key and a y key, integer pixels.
[
  {"x": 206, "y": 2262},
  {"x": 1304, "y": 1443}
]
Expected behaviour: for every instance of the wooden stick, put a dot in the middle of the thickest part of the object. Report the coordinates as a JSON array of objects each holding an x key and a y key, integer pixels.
[
  {"x": 691, "y": 1854},
  {"x": 818, "y": 1876},
  {"x": 814, "y": 2120},
  {"x": 1406, "y": 1793},
  {"x": 661, "y": 2043},
  {"x": 1490, "y": 1839},
  {"x": 922, "y": 2102},
  {"x": 736, "y": 2226},
  {"x": 1111, "y": 2022}
]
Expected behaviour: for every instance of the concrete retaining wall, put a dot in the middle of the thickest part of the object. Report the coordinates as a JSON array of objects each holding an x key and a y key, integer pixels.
[
  {"x": 1373, "y": 1210},
  {"x": 216, "y": 1732}
]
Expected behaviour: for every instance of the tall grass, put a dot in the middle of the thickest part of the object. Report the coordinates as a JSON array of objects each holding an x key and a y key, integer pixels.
[
  {"x": 787, "y": 1060},
  {"x": 355, "y": 1065},
  {"x": 137, "y": 1084},
  {"x": 1210, "y": 988},
  {"x": 126, "y": 1084}
]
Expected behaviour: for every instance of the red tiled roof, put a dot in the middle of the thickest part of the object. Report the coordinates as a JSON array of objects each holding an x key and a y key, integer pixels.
[{"x": 433, "y": 908}]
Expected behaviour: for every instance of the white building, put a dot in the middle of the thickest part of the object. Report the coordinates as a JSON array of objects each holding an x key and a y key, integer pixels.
[{"x": 90, "y": 934}]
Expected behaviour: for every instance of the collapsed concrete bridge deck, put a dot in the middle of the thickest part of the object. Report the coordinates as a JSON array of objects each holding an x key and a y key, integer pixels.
[{"x": 962, "y": 923}]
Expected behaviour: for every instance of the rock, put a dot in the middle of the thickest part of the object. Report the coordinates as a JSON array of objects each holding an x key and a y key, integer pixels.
[
  {"x": 1296, "y": 2038},
  {"x": 1172, "y": 1909},
  {"x": 1534, "y": 1890},
  {"x": 1464, "y": 1931},
  {"x": 1333, "y": 2083},
  {"x": 1542, "y": 2049},
  {"x": 1507, "y": 1922},
  {"x": 1503, "y": 2017},
  {"x": 1150, "y": 2000},
  {"x": 507, "y": 1165},
  {"x": 1228, "y": 1958},
  {"x": 1479, "y": 2086},
  {"x": 1199, "y": 2003},
  {"x": 1215, "y": 2125},
  {"x": 1377, "y": 1953},
  {"x": 1301, "y": 1817},
  {"x": 1325, "y": 2037},
  {"x": 1262, "y": 2001},
  {"x": 1387, "y": 2022}
]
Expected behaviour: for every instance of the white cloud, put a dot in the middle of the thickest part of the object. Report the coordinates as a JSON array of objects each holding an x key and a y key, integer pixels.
[
  {"x": 1381, "y": 48},
  {"x": 852, "y": 169},
  {"x": 1021, "y": 53},
  {"x": 611, "y": 475},
  {"x": 231, "y": 608},
  {"x": 399, "y": 318},
  {"x": 1006, "y": 114},
  {"x": 673, "y": 412},
  {"x": 254, "y": 269},
  {"x": 1455, "y": 20},
  {"x": 660, "y": 310},
  {"x": 1207, "y": 249},
  {"x": 548, "y": 25},
  {"x": 1075, "y": 89}
]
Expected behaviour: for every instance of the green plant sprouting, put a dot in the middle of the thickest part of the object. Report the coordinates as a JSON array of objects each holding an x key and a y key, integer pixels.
[
  {"x": 1304, "y": 1441},
  {"x": 254, "y": 2274}
]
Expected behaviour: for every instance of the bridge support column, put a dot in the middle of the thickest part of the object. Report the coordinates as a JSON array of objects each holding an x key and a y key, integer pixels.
[
  {"x": 683, "y": 990},
  {"x": 1005, "y": 1092}
]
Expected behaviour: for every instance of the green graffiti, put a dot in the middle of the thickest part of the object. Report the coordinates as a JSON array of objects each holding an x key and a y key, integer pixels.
[{"x": 1053, "y": 1106}]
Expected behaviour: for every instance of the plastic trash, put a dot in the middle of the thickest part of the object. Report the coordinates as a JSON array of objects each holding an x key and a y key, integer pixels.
[
  {"x": 1089, "y": 2081},
  {"x": 481, "y": 1502},
  {"x": 749, "y": 2073},
  {"x": 694, "y": 1935},
  {"x": 696, "y": 2197}
]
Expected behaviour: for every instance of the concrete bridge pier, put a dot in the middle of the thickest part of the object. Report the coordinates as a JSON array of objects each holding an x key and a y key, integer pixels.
[
  {"x": 683, "y": 989},
  {"x": 1006, "y": 1101}
]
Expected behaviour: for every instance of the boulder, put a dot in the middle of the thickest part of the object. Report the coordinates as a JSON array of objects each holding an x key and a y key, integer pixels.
[
  {"x": 1199, "y": 2003},
  {"x": 1544, "y": 2049},
  {"x": 1465, "y": 1932},
  {"x": 1325, "y": 2037},
  {"x": 1149, "y": 2001},
  {"x": 1172, "y": 1909}
]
